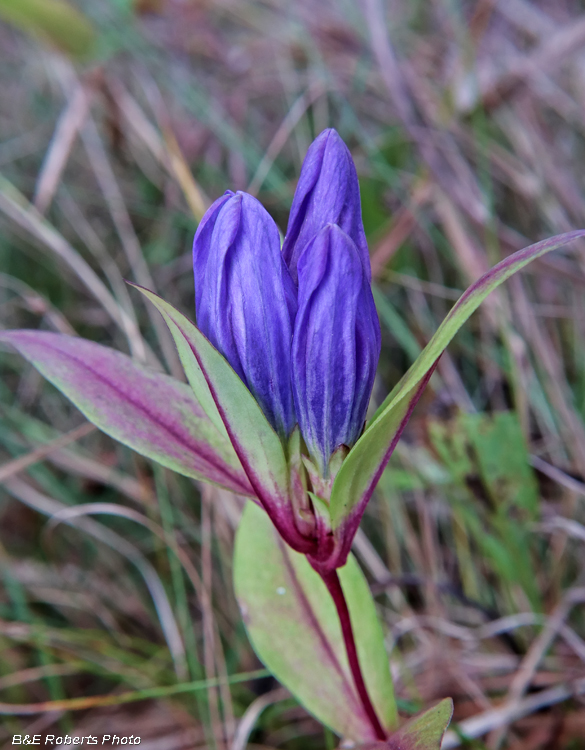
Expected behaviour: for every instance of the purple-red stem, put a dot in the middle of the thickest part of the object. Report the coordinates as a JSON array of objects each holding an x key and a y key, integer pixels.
[{"x": 333, "y": 584}]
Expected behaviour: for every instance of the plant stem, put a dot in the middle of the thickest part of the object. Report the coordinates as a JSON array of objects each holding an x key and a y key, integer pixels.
[{"x": 333, "y": 584}]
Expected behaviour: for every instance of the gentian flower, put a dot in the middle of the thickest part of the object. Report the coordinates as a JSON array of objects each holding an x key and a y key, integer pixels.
[
  {"x": 336, "y": 344},
  {"x": 280, "y": 365},
  {"x": 327, "y": 193},
  {"x": 246, "y": 302},
  {"x": 280, "y": 368}
]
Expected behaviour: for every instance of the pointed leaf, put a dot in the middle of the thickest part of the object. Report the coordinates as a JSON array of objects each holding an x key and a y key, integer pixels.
[
  {"x": 293, "y": 626},
  {"x": 152, "y": 413},
  {"x": 424, "y": 732},
  {"x": 363, "y": 467},
  {"x": 189, "y": 361},
  {"x": 255, "y": 442}
]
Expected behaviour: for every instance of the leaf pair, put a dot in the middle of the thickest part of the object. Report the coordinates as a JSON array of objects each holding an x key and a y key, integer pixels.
[
  {"x": 293, "y": 626},
  {"x": 214, "y": 431},
  {"x": 218, "y": 432}
]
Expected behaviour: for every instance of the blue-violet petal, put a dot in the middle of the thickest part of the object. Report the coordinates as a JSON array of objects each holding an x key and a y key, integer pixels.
[
  {"x": 327, "y": 193},
  {"x": 246, "y": 303},
  {"x": 336, "y": 344},
  {"x": 202, "y": 241}
]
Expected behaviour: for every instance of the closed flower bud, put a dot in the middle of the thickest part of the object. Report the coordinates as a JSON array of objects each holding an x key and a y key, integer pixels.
[
  {"x": 202, "y": 241},
  {"x": 336, "y": 344},
  {"x": 246, "y": 301},
  {"x": 327, "y": 193}
]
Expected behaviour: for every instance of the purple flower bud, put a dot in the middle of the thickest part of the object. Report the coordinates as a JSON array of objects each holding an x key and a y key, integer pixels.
[
  {"x": 336, "y": 344},
  {"x": 327, "y": 193},
  {"x": 245, "y": 300},
  {"x": 202, "y": 241}
]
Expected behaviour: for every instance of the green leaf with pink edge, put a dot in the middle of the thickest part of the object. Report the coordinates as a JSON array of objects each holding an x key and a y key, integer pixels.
[
  {"x": 423, "y": 732},
  {"x": 210, "y": 375},
  {"x": 294, "y": 628},
  {"x": 154, "y": 414},
  {"x": 367, "y": 459}
]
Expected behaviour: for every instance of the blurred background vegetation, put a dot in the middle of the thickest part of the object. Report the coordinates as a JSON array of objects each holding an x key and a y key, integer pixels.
[{"x": 119, "y": 122}]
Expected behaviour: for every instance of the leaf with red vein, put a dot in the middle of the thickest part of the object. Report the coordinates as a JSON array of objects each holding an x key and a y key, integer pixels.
[
  {"x": 363, "y": 467},
  {"x": 152, "y": 413},
  {"x": 293, "y": 625},
  {"x": 257, "y": 445}
]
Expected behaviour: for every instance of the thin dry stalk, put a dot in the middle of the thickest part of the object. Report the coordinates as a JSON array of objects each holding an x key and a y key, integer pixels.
[
  {"x": 495, "y": 85},
  {"x": 174, "y": 159},
  {"x": 115, "y": 200},
  {"x": 66, "y": 131},
  {"x": 504, "y": 716},
  {"x": 252, "y": 714},
  {"x": 48, "y": 506},
  {"x": 138, "y": 490},
  {"x": 94, "y": 244},
  {"x": 570, "y": 426},
  {"x": 166, "y": 151},
  {"x": 14, "y": 205},
  {"x": 38, "y": 304},
  {"x": 283, "y": 133},
  {"x": 536, "y": 652},
  {"x": 208, "y": 616},
  {"x": 403, "y": 223},
  {"x": 558, "y": 476},
  {"x": 29, "y": 459}
]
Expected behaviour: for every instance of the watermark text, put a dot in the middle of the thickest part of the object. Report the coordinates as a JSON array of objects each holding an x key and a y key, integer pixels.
[{"x": 53, "y": 740}]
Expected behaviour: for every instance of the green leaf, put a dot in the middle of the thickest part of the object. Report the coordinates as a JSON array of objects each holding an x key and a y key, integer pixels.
[
  {"x": 503, "y": 461},
  {"x": 210, "y": 375},
  {"x": 492, "y": 448},
  {"x": 152, "y": 413},
  {"x": 180, "y": 327},
  {"x": 363, "y": 466},
  {"x": 54, "y": 21},
  {"x": 294, "y": 629},
  {"x": 424, "y": 732}
]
